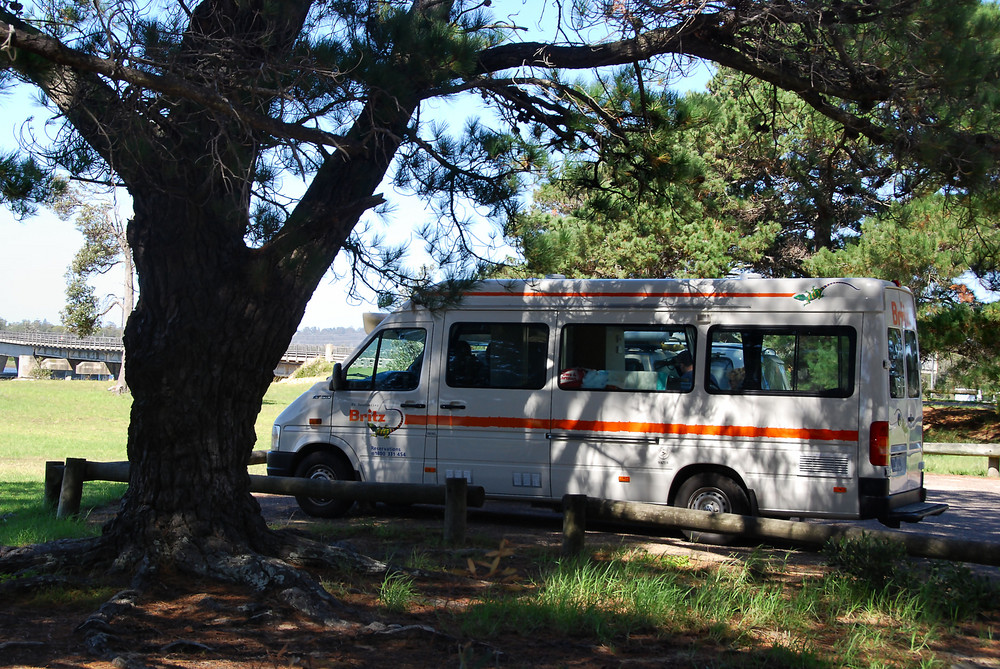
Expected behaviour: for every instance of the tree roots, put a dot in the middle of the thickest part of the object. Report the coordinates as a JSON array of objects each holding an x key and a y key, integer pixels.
[{"x": 279, "y": 577}]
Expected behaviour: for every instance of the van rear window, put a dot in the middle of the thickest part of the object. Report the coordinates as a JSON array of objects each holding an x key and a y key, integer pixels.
[
  {"x": 912, "y": 365},
  {"x": 644, "y": 358},
  {"x": 781, "y": 361}
]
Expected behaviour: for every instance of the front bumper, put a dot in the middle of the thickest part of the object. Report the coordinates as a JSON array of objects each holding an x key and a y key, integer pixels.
[{"x": 280, "y": 463}]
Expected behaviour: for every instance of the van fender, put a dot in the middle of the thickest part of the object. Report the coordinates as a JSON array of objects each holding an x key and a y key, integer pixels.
[
  {"x": 310, "y": 444},
  {"x": 688, "y": 471}
]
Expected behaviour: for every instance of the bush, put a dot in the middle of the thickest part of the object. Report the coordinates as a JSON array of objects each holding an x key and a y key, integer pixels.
[{"x": 315, "y": 367}]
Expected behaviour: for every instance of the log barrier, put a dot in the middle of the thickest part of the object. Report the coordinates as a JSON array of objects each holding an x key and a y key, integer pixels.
[
  {"x": 810, "y": 535},
  {"x": 64, "y": 490}
]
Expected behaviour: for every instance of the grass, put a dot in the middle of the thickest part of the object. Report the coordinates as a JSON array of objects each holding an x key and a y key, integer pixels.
[
  {"x": 54, "y": 420},
  {"x": 750, "y": 606},
  {"x": 871, "y": 608},
  {"x": 397, "y": 592},
  {"x": 962, "y": 465}
]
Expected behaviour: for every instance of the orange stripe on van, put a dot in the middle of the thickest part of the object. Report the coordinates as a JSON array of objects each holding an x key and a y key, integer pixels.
[
  {"x": 508, "y": 422},
  {"x": 708, "y": 430},
  {"x": 489, "y": 421},
  {"x": 640, "y": 294}
]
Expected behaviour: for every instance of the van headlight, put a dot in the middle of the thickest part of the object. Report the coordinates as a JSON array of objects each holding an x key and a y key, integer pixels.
[{"x": 275, "y": 437}]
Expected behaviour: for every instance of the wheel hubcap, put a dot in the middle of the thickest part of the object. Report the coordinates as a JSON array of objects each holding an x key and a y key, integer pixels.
[
  {"x": 322, "y": 474},
  {"x": 710, "y": 500}
]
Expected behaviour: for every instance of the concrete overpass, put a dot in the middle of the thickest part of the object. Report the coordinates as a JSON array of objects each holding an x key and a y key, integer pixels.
[{"x": 102, "y": 356}]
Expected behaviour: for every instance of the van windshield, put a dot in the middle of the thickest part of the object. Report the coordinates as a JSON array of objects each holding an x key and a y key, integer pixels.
[{"x": 390, "y": 361}]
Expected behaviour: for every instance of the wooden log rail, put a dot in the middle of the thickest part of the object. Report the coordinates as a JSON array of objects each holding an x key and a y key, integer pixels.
[
  {"x": 64, "y": 486},
  {"x": 990, "y": 451},
  {"x": 811, "y": 535},
  {"x": 64, "y": 490}
]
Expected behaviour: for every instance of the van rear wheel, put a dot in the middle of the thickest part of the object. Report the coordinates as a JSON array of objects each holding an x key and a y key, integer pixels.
[
  {"x": 326, "y": 467},
  {"x": 716, "y": 493}
]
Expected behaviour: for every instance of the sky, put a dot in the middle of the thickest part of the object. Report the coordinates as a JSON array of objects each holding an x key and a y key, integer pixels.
[{"x": 36, "y": 252}]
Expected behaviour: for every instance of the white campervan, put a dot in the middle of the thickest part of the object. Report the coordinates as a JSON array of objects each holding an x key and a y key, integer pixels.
[{"x": 778, "y": 397}]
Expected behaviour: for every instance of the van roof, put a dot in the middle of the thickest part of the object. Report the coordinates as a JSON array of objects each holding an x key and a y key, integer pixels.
[{"x": 827, "y": 294}]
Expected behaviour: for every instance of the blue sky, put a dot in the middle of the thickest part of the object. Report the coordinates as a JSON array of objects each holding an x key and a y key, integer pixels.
[{"x": 35, "y": 253}]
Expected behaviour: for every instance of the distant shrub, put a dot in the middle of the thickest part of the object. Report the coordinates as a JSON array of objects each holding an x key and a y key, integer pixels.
[{"x": 314, "y": 367}]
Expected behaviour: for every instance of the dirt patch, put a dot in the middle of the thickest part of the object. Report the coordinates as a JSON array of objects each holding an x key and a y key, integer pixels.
[
  {"x": 188, "y": 624},
  {"x": 961, "y": 425}
]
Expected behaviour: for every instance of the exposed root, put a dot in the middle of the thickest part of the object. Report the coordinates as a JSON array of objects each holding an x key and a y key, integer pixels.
[
  {"x": 279, "y": 578},
  {"x": 307, "y": 552}
]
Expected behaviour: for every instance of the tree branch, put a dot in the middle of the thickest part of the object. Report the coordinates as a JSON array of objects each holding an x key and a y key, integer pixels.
[{"x": 55, "y": 52}]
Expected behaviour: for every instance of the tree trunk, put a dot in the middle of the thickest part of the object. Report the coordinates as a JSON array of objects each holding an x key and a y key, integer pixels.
[{"x": 202, "y": 346}]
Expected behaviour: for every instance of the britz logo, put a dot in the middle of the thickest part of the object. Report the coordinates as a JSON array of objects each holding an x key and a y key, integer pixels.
[
  {"x": 372, "y": 416},
  {"x": 900, "y": 315}
]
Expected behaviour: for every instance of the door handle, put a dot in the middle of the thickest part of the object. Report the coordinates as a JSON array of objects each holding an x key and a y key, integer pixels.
[
  {"x": 412, "y": 405},
  {"x": 451, "y": 406}
]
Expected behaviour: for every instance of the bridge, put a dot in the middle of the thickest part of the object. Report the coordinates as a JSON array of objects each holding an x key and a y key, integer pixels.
[{"x": 70, "y": 356}]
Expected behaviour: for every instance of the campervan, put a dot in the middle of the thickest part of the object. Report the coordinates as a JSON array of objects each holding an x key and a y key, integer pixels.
[{"x": 777, "y": 397}]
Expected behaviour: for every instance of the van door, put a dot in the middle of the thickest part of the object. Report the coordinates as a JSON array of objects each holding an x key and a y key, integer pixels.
[
  {"x": 620, "y": 388},
  {"x": 493, "y": 402},
  {"x": 905, "y": 414},
  {"x": 382, "y": 411}
]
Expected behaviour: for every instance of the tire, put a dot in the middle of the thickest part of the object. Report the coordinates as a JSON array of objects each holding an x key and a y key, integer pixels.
[
  {"x": 328, "y": 467},
  {"x": 716, "y": 493}
]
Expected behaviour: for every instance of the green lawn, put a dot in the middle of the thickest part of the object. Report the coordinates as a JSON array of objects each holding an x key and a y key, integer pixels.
[{"x": 55, "y": 420}]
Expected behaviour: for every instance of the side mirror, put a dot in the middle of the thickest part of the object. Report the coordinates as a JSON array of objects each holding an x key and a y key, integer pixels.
[{"x": 337, "y": 378}]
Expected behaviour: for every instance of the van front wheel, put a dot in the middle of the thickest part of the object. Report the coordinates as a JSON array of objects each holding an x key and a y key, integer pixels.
[
  {"x": 327, "y": 467},
  {"x": 715, "y": 493}
]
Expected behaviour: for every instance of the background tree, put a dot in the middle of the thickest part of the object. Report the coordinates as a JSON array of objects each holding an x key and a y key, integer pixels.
[
  {"x": 742, "y": 176},
  {"x": 105, "y": 246},
  {"x": 651, "y": 199},
  {"x": 201, "y": 111}
]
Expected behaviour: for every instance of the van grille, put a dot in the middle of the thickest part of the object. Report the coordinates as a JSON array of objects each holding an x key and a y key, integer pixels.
[{"x": 824, "y": 465}]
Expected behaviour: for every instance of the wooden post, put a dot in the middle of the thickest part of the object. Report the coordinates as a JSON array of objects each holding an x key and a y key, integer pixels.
[
  {"x": 53, "y": 483},
  {"x": 455, "y": 511},
  {"x": 993, "y": 466},
  {"x": 71, "y": 491},
  {"x": 574, "y": 523}
]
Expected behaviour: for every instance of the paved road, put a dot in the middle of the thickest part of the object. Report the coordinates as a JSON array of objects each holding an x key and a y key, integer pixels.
[{"x": 973, "y": 508}]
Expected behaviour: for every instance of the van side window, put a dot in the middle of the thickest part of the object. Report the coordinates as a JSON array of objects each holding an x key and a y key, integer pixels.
[
  {"x": 497, "y": 355},
  {"x": 897, "y": 376},
  {"x": 912, "y": 364},
  {"x": 782, "y": 361},
  {"x": 390, "y": 361},
  {"x": 647, "y": 358}
]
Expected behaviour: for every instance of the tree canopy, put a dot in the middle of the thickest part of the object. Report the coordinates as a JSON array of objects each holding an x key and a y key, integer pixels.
[{"x": 204, "y": 112}]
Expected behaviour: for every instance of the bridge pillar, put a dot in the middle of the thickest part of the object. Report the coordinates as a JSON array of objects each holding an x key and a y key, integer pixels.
[
  {"x": 26, "y": 364},
  {"x": 91, "y": 368}
]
